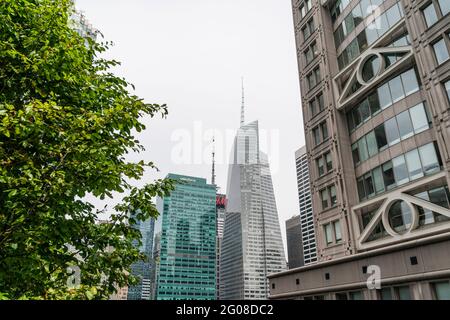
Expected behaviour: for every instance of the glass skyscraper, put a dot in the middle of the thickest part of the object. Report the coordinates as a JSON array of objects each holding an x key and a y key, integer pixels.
[
  {"x": 143, "y": 269},
  {"x": 186, "y": 266},
  {"x": 252, "y": 247}
]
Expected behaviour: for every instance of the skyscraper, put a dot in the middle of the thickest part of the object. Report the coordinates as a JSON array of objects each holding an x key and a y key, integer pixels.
[
  {"x": 187, "y": 250},
  {"x": 375, "y": 87},
  {"x": 294, "y": 242},
  {"x": 83, "y": 26},
  {"x": 251, "y": 247},
  {"x": 143, "y": 269},
  {"x": 306, "y": 210}
]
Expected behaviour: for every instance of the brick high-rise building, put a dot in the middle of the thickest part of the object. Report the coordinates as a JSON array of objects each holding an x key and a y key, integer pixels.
[{"x": 375, "y": 85}]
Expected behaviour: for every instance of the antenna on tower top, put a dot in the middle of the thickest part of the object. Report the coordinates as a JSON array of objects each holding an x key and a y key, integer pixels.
[
  {"x": 213, "y": 171},
  {"x": 242, "y": 105}
]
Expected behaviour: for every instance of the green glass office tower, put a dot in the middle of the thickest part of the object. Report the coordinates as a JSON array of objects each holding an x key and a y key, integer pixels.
[{"x": 187, "y": 223}]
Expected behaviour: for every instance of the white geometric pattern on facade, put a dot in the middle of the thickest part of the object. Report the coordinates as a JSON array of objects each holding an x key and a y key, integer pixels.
[
  {"x": 381, "y": 215},
  {"x": 356, "y": 66},
  {"x": 346, "y": 96}
]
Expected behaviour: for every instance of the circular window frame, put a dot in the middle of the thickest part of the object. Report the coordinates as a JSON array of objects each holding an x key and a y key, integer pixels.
[
  {"x": 363, "y": 63},
  {"x": 414, "y": 218}
]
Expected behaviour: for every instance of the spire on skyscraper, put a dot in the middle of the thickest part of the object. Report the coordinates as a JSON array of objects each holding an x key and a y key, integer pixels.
[
  {"x": 242, "y": 105},
  {"x": 213, "y": 170}
]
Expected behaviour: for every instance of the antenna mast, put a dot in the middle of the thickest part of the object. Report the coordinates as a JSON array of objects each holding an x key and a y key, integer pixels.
[
  {"x": 242, "y": 105},
  {"x": 213, "y": 171}
]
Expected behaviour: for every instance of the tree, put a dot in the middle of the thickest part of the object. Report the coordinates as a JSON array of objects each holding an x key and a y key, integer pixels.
[{"x": 66, "y": 125}]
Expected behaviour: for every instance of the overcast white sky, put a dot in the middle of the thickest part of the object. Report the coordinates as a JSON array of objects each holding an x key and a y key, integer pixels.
[{"x": 191, "y": 55}]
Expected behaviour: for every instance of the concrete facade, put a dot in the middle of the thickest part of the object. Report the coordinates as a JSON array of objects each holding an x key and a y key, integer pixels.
[
  {"x": 294, "y": 243},
  {"x": 375, "y": 69}
]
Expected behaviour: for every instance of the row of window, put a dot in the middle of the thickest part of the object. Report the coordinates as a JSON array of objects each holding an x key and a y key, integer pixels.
[
  {"x": 395, "y": 293},
  {"x": 362, "y": 10},
  {"x": 370, "y": 34},
  {"x": 440, "y": 291},
  {"x": 400, "y": 170},
  {"x": 435, "y": 10},
  {"x": 383, "y": 97},
  {"x": 390, "y": 132}
]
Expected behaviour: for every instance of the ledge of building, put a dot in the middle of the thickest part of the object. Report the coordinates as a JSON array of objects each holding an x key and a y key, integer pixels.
[{"x": 371, "y": 253}]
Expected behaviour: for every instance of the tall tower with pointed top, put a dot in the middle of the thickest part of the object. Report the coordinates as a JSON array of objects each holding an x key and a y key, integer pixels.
[
  {"x": 252, "y": 247},
  {"x": 213, "y": 168}
]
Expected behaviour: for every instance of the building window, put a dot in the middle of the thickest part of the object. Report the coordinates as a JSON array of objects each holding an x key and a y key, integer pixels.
[
  {"x": 302, "y": 10},
  {"x": 429, "y": 159},
  {"x": 328, "y": 197},
  {"x": 372, "y": 146},
  {"x": 442, "y": 290},
  {"x": 385, "y": 294},
  {"x": 320, "y": 133},
  {"x": 329, "y": 161},
  {"x": 403, "y": 293},
  {"x": 439, "y": 196},
  {"x": 391, "y": 132},
  {"x": 311, "y": 53},
  {"x": 402, "y": 169},
  {"x": 400, "y": 217},
  {"x": 341, "y": 296},
  {"x": 317, "y": 105},
  {"x": 405, "y": 125},
  {"x": 394, "y": 293},
  {"x": 328, "y": 234},
  {"x": 383, "y": 97},
  {"x": 308, "y": 29},
  {"x": 324, "y": 130},
  {"x": 333, "y": 196},
  {"x": 353, "y": 295},
  {"x": 324, "y": 164},
  {"x": 368, "y": 35},
  {"x": 388, "y": 176},
  {"x": 333, "y": 234},
  {"x": 440, "y": 51},
  {"x": 337, "y": 231},
  {"x": 313, "y": 78},
  {"x": 444, "y": 5},
  {"x": 419, "y": 117},
  {"x": 320, "y": 166},
  {"x": 413, "y": 163},
  {"x": 447, "y": 89},
  {"x": 316, "y": 136},
  {"x": 430, "y": 15},
  {"x": 324, "y": 198}
]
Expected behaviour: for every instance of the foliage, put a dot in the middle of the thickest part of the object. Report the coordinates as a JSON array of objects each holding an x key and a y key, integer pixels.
[{"x": 66, "y": 125}]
